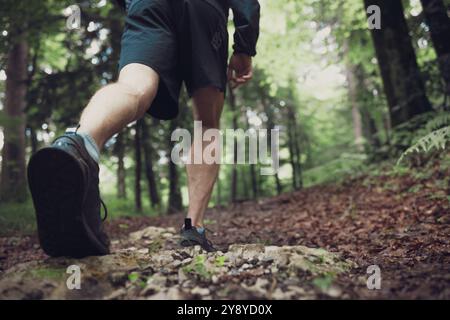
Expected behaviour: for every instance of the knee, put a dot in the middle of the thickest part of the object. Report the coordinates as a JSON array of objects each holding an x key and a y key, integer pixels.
[
  {"x": 208, "y": 104},
  {"x": 208, "y": 115},
  {"x": 145, "y": 94},
  {"x": 142, "y": 83},
  {"x": 142, "y": 96}
]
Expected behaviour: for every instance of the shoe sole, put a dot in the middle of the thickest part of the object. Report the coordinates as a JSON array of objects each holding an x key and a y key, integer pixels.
[
  {"x": 189, "y": 243},
  {"x": 186, "y": 243},
  {"x": 57, "y": 187}
]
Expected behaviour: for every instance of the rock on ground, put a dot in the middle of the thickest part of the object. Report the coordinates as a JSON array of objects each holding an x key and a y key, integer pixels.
[{"x": 150, "y": 265}]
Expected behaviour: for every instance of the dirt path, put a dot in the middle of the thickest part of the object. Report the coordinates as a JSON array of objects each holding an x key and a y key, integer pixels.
[{"x": 401, "y": 224}]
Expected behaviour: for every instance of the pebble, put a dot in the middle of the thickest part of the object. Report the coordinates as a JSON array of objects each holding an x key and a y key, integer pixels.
[
  {"x": 200, "y": 291},
  {"x": 334, "y": 292},
  {"x": 117, "y": 294},
  {"x": 182, "y": 276},
  {"x": 246, "y": 266}
]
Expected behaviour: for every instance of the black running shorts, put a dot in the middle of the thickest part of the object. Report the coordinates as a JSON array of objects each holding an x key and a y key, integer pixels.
[{"x": 183, "y": 41}]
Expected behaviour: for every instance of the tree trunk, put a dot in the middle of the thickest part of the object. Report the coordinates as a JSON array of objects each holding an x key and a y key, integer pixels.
[
  {"x": 234, "y": 173},
  {"x": 243, "y": 178},
  {"x": 370, "y": 131},
  {"x": 369, "y": 126},
  {"x": 150, "y": 174},
  {"x": 294, "y": 148},
  {"x": 270, "y": 125},
  {"x": 175, "y": 203},
  {"x": 138, "y": 167},
  {"x": 297, "y": 151},
  {"x": 295, "y": 184},
  {"x": 253, "y": 180},
  {"x": 403, "y": 85},
  {"x": 438, "y": 21},
  {"x": 353, "y": 99},
  {"x": 13, "y": 185},
  {"x": 119, "y": 149}
]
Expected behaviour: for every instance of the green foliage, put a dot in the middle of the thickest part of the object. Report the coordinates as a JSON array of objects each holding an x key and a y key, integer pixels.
[
  {"x": 198, "y": 268},
  {"x": 134, "y": 276},
  {"x": 300, "y": 85},
  {"x": 121, "y": 207},
  {"x": 435, "y": 140},
  {"x": 220, "y": 261},
  {"x": 47, "y": 273},
  {"x": 17, "y": 218},
  {"x": 324, "y": 282},
  {"x": 345, "y": 165},
  {"x": 439, "y": 121},
  {"x": 138, "y": 279}
]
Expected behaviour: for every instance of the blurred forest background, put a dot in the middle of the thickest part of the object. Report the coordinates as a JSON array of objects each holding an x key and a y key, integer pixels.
[{"x": 348, "y": 100}]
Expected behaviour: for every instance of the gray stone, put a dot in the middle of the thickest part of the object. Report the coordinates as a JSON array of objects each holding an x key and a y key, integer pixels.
[
  {"x": 200, "y": 291},
  {"x": 166, "y": 271},
  {"x": 182, "y": 276},
  {"x": 169, "y": 294}
]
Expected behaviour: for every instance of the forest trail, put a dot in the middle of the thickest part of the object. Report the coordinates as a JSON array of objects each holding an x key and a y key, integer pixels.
[{"x": 313, "y": 243}]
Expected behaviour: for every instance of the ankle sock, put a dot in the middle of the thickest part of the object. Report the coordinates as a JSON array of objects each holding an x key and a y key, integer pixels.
[
  {"x": 91, "y": 146},
  {"x": 188, "y": 225},
  {"x": 200, "y": 230}
]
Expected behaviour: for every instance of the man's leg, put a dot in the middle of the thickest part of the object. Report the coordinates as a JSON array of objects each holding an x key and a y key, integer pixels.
[
  {"x": 208, "y": 104},
  {"x": 116, "y": 105},
  {"x": 64, "y": 178}
]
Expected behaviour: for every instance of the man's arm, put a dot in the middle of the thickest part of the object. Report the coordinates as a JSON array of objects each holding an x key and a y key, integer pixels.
[{"x": 246, "y": 21}]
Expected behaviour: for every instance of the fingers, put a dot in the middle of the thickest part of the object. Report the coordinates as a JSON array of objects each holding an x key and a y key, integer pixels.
[
  {"x": 249, "y": 75},
  {"x": 238, "y": 79},
  {"x": 243, "y": 78}
]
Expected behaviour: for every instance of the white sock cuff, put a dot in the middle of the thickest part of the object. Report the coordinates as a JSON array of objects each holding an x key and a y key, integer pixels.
[{"x": 91, "y": 146}]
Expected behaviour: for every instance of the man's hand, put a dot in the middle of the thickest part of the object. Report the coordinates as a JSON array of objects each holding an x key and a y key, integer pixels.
[{"x": 240, "y": 69}]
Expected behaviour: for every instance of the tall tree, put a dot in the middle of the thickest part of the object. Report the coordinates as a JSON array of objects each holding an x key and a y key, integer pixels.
[
  {"x": 354, "y": 103},
  {"x": 268, "y": 110},
  {"x": 175, "y": 201},
  {"x": 403, "y": 85},
  {"x": 252, "y": 169},
  {"x": 13, "y": 180},
  {"x": 438, "y": 21},
  {"x": 294, "y": 148},
  {"x": 119, "y": 150},
  {"x": 366, "y": 106},
  {"x": 149, "y": 172},
  {"x": 234, "y": 171},
  {"x": 138, "y": 167}
]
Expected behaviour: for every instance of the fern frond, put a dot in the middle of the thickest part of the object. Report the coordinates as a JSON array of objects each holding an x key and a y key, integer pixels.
[
  {"x": 439, "y": 121},
  {"x": 435, "y": 140}
]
